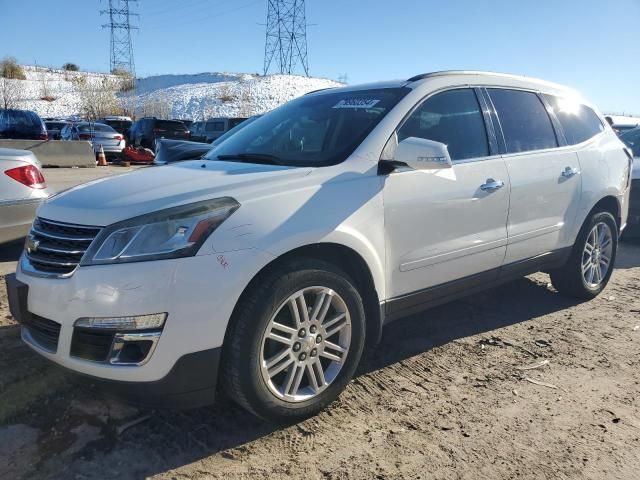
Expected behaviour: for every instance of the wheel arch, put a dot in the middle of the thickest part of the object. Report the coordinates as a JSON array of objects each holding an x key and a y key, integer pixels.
[
  {"x": 610, "y": 204},
  {"x": 346, "y": 259}
]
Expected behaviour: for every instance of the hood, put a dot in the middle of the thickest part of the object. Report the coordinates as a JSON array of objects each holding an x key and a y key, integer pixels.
[{"x": 112, "y": 199}]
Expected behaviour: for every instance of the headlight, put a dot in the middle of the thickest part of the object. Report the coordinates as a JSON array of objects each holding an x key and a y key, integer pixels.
[{"x": 171, "y": 233}]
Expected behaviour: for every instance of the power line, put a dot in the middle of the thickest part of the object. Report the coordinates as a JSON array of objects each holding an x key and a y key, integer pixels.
[
  {"x": 286, "y": 37},
  {"x": 121, "y": 51}
]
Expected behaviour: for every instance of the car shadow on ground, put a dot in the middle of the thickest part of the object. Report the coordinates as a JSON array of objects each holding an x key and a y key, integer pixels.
[
  {"x": 184, "y": 437},
  {"x": 628, "y": 253},
  {"x": 509, "y": 304}
]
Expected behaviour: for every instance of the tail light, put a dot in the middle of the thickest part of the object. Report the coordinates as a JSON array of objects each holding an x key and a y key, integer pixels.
[
  {"x": 118, "y": 137},
  {"x": 84, "y": 136},
  {"x": 28, "y": 175},
  {"x": 43, "y": 136}
]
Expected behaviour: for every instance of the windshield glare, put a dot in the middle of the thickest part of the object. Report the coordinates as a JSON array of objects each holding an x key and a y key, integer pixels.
[{"x": 315, "y": 130}]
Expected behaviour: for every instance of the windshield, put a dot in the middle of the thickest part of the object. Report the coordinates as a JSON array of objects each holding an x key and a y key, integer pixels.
[
  {"x": 313, "y": 130},
  {"x": 632, "y": 139}
]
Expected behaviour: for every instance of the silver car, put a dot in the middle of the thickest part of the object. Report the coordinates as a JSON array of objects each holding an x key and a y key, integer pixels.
[
  {"x": 22, "y": 190},
  {"x": 99, "y": 134}
]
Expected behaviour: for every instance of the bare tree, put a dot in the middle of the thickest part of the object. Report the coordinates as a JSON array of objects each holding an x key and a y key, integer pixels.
[
  {"x": 10, "y": 93},
  {"x": 97, "y": 100},
  {"x": 245, "y": 106},
  {"x": 157, "y": 106},
  {"x": 45, "y": 91}
]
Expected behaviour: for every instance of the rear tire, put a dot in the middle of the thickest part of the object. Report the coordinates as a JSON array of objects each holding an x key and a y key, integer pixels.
[
  {"x": 593, "y": 256},
  {"x": 294, "y": 341}
]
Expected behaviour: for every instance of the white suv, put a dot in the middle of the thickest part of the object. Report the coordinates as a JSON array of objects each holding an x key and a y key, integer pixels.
[{"x": 275, "y": 261}]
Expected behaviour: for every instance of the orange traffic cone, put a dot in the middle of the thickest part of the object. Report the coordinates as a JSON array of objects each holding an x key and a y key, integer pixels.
[{"x": 102, "y": 160}]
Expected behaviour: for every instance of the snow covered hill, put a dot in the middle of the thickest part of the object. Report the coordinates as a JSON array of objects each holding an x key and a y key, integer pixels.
[{"x": 54, "y": 93}]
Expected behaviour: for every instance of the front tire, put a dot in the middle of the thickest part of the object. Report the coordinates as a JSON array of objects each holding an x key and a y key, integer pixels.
[
  {"x": 294, "y": 341},
  {"x": 593, "y": 256}
]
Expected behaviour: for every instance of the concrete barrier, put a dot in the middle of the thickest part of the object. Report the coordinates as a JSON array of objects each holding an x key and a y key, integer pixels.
[{"x": 56, "y": 153}]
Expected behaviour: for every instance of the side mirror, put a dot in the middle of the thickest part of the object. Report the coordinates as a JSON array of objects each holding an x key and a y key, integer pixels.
[{"x": 422, "y": 154}]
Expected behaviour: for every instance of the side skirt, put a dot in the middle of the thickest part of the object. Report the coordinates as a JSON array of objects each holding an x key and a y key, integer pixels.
[{"x": 421, "y": 300}]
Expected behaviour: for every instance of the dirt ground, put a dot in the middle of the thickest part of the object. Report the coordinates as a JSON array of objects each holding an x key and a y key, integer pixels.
[{"x": 447, "y": 395}]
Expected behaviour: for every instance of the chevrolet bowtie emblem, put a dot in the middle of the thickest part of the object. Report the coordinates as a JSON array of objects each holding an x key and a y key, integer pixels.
[{"x": 32, "y": 244}]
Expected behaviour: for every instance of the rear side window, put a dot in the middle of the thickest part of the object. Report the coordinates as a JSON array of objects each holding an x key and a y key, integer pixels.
[
  {"x": 214, "y": 127},
  {"x": 524, "y": 120},
  {"x": 24, "y": 118},
  {"x": 453, "y": 118},
  {"x": 579, "y": 122},
  {"x": 95, "y": 127},
  {"x": 170, "y": 125}
]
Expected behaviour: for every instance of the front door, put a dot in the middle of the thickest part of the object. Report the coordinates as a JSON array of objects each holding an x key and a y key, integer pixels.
[
  {"x": 545, "y": 179},
  {"x": 450, "y": 224}
]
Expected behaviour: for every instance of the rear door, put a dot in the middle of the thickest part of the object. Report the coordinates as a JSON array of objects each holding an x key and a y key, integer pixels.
[{"x": 545, "y": 179}]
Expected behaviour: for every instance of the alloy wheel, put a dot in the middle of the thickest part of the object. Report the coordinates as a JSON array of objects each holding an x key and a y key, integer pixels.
[
  {"x": 305, "y": 344},
  {"x": 596, "y": 256}
]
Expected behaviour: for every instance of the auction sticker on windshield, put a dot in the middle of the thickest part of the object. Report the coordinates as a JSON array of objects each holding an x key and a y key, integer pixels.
[{"x": 356, "y": 103}]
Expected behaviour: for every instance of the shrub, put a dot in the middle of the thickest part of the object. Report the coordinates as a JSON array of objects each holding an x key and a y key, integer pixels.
[
  {"x": 9, "y": 68},
  {"x": 127, "y": 82},
  {"x": 70, "y": 67}
]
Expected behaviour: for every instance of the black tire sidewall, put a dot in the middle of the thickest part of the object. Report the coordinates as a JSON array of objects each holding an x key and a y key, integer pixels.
[{"x": 254, "y": 390}]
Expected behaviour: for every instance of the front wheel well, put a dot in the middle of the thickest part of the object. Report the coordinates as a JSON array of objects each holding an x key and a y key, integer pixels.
[{"x": 346, "y": 260}]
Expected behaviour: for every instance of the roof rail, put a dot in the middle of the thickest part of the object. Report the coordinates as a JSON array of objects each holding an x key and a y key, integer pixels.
[
  {"x": 421, "y": 76},
  {"x": 319, "y": 90}
]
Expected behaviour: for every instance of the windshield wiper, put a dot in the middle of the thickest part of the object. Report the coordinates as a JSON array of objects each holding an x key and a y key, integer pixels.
[{"x": 252, "y": 158}]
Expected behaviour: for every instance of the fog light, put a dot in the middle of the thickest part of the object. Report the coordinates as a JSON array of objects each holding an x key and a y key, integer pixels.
[
  {"x": 140, "y": 322},
  {"x": 133, "y": 348}
]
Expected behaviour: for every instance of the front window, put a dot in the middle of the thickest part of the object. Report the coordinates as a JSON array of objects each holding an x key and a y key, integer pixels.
[
  {"x": 313, "y": 130},
  {"x": 453, "y": 118}
]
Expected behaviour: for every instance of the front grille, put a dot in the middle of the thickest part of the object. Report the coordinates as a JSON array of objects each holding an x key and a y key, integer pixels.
[
  {"x": 57, "y": 248},
  {"x": 91, "y": 344},
  {"x": 43, "y": 331}
]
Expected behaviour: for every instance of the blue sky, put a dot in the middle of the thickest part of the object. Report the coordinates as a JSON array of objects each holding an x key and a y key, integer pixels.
[{"x": 591, "y": 45}]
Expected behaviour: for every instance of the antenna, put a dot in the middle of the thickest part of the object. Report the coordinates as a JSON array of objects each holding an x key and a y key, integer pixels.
[
  {"x": 286, "y": 38},
  {"x": 120, "y": 25}
]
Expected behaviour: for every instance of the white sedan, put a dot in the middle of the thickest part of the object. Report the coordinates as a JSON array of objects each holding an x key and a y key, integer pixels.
[{"x": 22, "y": 190}]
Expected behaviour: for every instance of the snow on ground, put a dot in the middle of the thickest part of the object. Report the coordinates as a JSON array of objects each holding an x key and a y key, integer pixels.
[
  {"x": 196, "y": 97},
  {"x": 58, "y": 84}
]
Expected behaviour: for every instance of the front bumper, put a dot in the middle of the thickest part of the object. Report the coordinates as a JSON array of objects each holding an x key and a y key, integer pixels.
[
  {"x": 191, "y": 383},
  {"x": 197, "y": 293}
]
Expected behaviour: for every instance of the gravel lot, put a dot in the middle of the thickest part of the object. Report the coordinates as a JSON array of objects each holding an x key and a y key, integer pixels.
[
  {"x": 451, "y": 393},
  {"x": 446, "y": 395}
]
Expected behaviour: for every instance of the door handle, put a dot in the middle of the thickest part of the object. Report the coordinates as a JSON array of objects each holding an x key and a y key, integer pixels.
[
  {"x": 491, "y": 185},
  {"x": 569, "y": 172}
]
